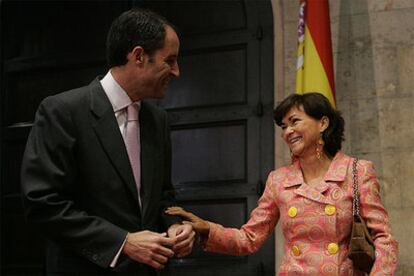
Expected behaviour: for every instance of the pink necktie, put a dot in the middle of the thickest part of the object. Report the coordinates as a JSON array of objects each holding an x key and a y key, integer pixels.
[{"x": 132, "y": 142}]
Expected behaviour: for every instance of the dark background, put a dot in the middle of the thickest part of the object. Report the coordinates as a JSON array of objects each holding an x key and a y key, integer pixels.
[{"x": 220, "y": 110}]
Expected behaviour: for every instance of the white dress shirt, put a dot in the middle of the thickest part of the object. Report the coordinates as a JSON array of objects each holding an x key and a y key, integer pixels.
[{"x": 120, "y": 101}]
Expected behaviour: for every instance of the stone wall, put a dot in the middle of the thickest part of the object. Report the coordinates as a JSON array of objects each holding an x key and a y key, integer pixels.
[{"x": 373, "y": 44}]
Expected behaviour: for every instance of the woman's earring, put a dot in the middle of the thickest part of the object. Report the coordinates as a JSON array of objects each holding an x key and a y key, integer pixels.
[{"x": 319, "y": 147}]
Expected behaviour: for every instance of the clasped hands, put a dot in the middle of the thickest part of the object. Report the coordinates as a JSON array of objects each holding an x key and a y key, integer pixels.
[
  {"x": 154, "y": 249},
  {"x": 198, "y": 224}
]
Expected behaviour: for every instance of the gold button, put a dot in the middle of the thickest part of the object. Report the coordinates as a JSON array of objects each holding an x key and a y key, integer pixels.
[
  {"x": 292, "y": 212},
  {"x": 330, "y": 210},
  {"x": 295, "y": 250},
  {"x": 333, "y": 248}
]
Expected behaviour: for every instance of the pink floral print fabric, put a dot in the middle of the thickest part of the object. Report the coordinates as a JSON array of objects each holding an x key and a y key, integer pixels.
[{"x": 316, "y": 221}]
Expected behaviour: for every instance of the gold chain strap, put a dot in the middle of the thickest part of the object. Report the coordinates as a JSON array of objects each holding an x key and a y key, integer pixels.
[{"x": 355, "y": 201}]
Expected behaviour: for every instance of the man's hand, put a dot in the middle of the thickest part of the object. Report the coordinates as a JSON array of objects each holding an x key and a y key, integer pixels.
[
  {"x": 184, "y": 236},
  {"x": 149, "y": 248}
]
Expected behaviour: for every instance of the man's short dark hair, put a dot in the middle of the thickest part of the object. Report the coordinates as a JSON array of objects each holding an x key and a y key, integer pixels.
[
  {"x": 316, "y": 106},
  {"x": 136, "y": 27}
]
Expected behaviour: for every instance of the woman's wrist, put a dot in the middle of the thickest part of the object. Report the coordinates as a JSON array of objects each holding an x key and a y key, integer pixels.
[{"x": 204, "y": 229}]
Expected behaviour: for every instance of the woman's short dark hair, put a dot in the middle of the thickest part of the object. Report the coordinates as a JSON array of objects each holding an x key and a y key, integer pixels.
[
  {"x": 316, "y": 106},
  {"x": 136, "y": 27}
]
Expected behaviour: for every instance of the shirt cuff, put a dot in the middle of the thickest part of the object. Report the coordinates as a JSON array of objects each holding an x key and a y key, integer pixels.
[{"x": 115, "y": 259}]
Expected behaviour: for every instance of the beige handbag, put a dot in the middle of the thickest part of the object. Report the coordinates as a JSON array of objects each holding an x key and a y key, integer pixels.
[{"x": 361, "y": 246}]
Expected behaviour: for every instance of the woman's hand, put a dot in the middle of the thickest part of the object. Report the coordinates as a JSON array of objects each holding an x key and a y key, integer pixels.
[{"x": 199, "y": 225}]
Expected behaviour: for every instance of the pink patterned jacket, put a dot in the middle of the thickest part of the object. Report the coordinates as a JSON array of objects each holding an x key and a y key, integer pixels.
[{"x": 316, "y": 222}]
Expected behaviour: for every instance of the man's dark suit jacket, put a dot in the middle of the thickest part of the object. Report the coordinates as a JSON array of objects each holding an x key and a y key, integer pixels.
[{"x": 78, "y": 186}]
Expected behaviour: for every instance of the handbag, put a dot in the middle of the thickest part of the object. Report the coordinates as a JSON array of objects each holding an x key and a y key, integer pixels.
[{"x": 361, "y": 246}]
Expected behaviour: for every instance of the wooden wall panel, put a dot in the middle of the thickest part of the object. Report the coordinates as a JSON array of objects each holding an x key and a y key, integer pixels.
[
  {"x": 46, "y": 47},
  {"x": 25, "y": 90}
]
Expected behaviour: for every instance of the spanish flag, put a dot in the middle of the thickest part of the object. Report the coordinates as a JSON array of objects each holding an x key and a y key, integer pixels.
[{"x": 315, "y": 67}]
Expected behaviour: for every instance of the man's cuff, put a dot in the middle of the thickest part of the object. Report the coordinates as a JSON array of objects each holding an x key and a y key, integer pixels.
[{"x": 115, "y": 259}]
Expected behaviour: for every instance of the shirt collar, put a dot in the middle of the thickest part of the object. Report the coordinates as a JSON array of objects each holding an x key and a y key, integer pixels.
[
  {"x": 116, "y": 94},
  {"x": 336, "y": 173}
]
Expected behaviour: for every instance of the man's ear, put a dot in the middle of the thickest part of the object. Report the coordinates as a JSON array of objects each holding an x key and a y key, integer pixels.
[{"x": 136, "y": 55}]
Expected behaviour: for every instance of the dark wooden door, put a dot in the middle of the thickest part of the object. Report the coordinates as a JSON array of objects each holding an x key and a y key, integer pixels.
[
  {"x": 221, "y": 118},
  {"x": 220, "y": 110},
  {"x": 47, "y": 47}
]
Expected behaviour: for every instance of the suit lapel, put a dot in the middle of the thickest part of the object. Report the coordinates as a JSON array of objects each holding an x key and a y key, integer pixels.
[
  {"x": 314, "y": 194},
  {"x": 336, "y": 174},
  {"x": 107, "y": 130}
]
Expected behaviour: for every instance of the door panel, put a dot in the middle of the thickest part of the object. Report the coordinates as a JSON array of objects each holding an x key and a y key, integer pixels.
[
  {"x": 209, "y": 154},
  {"x": 198, "y": 17},
  {"x": 199, "y": 70}
]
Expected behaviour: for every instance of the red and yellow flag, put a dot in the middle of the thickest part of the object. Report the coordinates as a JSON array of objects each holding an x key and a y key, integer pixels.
[{"x": 315, "y": 67}]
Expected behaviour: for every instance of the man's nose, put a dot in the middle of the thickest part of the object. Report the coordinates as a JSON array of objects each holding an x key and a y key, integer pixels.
[{"x": 175, "y": 70}]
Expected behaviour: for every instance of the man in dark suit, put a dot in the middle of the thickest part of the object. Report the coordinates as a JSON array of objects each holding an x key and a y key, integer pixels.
[{"x": 96, "y": 195}]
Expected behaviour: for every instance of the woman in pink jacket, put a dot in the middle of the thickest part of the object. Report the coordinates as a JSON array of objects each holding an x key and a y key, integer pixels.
[{"x": 312, "y": 198}]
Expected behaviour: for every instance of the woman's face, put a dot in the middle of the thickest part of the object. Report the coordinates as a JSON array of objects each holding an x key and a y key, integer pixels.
[{"x": 301, "y": 132}]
